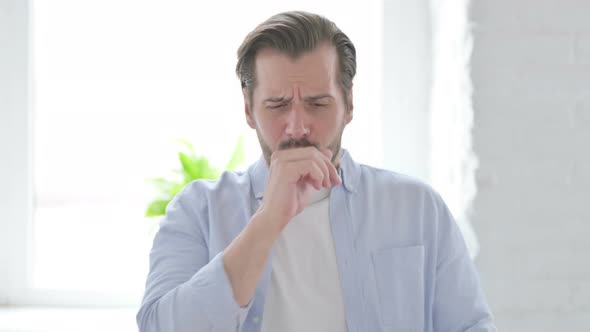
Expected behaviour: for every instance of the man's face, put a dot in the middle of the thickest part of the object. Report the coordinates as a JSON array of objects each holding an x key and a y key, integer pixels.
[{"x": 298, "y": 102}]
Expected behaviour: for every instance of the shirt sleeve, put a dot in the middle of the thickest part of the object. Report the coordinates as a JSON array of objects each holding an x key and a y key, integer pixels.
[
  {"x": 184, "y": 290},
  {"x": 459, "y": 301}
]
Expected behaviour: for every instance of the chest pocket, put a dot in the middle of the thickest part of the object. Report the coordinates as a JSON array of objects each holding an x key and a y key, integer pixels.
[{"x": 399, "y": 274}]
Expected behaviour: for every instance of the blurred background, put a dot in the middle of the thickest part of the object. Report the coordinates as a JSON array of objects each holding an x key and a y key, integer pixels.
[{"x": 486, "y": 100}]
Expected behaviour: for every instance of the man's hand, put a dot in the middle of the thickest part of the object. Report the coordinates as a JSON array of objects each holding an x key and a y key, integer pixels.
[{"x": 293, "y": 174}]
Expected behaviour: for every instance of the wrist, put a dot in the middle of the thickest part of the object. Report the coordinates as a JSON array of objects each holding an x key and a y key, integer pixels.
[{"x": 268, "y": 224}]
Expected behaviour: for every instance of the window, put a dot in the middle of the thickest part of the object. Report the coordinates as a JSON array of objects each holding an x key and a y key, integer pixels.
[
  {"x": 427, "y": 111},
  {"x": 93, "y": 94},
  {"x": 111, "y": 84}
]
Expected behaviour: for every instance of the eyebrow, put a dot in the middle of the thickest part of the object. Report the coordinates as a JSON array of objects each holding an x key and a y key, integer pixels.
[
  {"x": 277, "y": 99},
  {"x": 310, "y": 98},
  {"x": 314, "y": 98}
]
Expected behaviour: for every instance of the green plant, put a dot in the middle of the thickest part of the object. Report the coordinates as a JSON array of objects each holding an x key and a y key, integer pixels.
[{"x": 194, "y": 167}]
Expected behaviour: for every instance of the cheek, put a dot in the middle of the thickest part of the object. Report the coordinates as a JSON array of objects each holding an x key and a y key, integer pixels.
[
  {"x": 271, "y": 130},
  {"x": 331, "y": 123}
]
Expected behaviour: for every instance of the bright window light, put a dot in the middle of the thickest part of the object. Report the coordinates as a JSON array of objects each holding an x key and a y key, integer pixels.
[{"x": 115, "y": 83}]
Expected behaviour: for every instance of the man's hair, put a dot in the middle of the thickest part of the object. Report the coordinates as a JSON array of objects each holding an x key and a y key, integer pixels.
[{"x": 295, "y": 33}]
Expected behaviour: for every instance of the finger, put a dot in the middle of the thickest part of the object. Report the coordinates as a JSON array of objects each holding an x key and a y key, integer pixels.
[
  {"x": 325, "y": 170},
  {"x": 327, "y": 154},
  {"x": 333, "y": 176},
  {"x": 307, "y": 153},
  {"x": 314, "y": 183},
  {"x": 308, "y": 170},
  {"x": 294, "y": 154},
  {"x": 320, "y": 159}
]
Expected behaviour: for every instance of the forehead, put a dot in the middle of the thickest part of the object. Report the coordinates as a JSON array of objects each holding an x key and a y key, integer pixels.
[{"x": 311, "y": 71}]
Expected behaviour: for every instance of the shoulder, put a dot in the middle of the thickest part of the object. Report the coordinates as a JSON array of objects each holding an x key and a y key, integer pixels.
[
  {"x": 389, "y": 182},
  {"x": 192, "y": 207},
  {"x": 403, "y": 196},
  {"x": 229, "y": 184}
]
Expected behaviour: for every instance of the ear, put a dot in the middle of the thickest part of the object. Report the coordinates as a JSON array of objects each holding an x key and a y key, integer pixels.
[
  {"x": 248, "y": 110},
  {"x": 348, "y": 115}
]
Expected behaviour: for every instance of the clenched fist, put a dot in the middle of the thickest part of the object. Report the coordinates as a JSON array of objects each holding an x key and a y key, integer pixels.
[{"x": 293, "y": 175}]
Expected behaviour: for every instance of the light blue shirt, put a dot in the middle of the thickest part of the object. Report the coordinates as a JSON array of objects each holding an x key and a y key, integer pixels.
[{"x": 402, "y": 262}]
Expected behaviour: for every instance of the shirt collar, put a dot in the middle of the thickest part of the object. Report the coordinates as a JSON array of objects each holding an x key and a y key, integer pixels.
[{"x": 349, "y": 170}]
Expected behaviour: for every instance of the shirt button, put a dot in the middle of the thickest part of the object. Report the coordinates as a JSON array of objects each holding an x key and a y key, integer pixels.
[{"x": 255, "y": 319}]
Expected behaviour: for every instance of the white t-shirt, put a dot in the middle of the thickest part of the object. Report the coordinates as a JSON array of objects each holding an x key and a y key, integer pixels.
[{"x": 304, "y": 293}]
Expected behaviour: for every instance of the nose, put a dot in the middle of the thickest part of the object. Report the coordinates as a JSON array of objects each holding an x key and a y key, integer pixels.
[{"x": 297, "y": 122}]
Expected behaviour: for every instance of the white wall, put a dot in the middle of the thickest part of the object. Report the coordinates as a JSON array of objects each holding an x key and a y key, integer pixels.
[
  {"x": 531, "y": 77},
  {"x": 406, "y": 87}
]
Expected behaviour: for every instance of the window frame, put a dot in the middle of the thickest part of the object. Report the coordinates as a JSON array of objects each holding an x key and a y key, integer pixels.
[
  {"x": 16, "y": 175},
  {"x": 15, "y": 149}
]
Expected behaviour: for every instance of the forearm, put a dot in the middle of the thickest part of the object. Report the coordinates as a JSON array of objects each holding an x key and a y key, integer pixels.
[
  {"x": 247, "y": 255},
  {"x": 293, "y": 175}
]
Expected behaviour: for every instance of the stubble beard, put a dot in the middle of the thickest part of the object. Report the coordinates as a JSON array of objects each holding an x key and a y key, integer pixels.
[{"x": 300, "y": 143}]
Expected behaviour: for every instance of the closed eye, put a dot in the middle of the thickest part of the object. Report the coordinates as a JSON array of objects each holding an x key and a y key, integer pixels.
[
  {"x": 278, "y": 106},
  {"x": 319, "y": 106}
]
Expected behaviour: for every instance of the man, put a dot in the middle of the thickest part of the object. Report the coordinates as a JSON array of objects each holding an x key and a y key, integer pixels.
[{"x": 307, "y": 239}]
